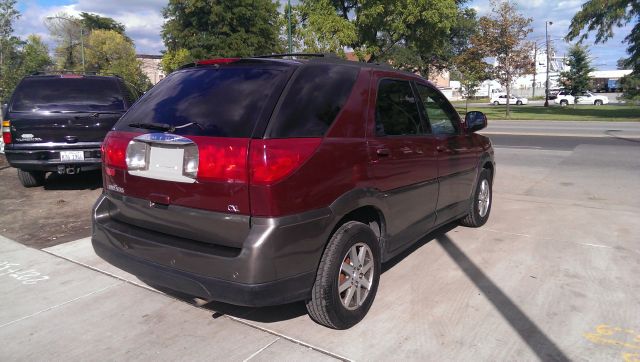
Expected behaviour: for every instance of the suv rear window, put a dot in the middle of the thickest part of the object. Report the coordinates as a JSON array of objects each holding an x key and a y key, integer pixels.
[
  {"x": 317, "y": 94},
  {"x": 67, "y": 94},
  {"x": 225, "y": 101}
]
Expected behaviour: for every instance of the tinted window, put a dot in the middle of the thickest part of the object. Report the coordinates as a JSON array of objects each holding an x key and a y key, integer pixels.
[
  {"x": 396, "y": 109},
  {"x": 441, "y": 115},
  {"x": 225, "y": 101},
  {"x": 67, "y": 94},
  {"x": 313, "y": 101}
]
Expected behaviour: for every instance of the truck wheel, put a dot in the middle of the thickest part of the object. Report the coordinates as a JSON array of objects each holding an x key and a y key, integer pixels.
[
  {"x": 31, "y": 178},
  {"x": 480, "y": 205},
  {"x": 347, "y": 278}
]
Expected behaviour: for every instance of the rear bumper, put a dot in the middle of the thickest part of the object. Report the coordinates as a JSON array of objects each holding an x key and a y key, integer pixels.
[
  {"x": 276, "y": 263},
  {"x": 47, "y": 157}
]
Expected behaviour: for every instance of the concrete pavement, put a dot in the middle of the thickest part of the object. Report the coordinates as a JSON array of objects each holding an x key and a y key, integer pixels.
[{"x": 552, "y": 276}]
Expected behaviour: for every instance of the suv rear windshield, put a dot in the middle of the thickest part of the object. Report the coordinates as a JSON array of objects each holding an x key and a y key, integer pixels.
[
  {"x": 67, "y": 94},
  {"x": 224, "y": 102}
]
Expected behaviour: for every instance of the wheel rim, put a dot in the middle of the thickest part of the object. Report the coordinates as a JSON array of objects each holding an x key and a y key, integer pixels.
[
  {"x": 484, "y": 198},
  {"x": 355, "y": 278}
]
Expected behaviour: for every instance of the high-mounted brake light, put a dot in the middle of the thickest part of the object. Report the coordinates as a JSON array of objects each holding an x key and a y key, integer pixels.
[
  {"x": 70, "y": 76},
  {"x": 6, "y": 132},
  {"x": 274, "y": 159},
  {"x": 217, "y": 61}
]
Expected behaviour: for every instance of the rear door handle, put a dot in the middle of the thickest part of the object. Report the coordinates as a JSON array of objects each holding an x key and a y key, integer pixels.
[{"x": 384, "y": 152}]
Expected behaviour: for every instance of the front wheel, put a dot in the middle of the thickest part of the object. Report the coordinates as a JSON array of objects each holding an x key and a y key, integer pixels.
[
  {"x": 564, "y": 103},
  {"x": 31, "y": 178},
  {"x": 598, "y": 102},
  {"x": 347, "y": 278},
  {"x": 496, "y": 103},
  {"x": 480, "y": 205}
]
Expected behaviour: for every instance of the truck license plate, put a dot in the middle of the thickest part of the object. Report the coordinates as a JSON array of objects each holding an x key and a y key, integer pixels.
[{"x": 71, "y": 155}]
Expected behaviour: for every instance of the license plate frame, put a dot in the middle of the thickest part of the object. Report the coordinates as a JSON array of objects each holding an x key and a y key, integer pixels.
[{"x": 71, "y": 155}]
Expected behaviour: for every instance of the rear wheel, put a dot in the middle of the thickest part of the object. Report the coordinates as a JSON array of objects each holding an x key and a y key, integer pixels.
[
  {"x": 480, "y": 205},
  {"x": 598, "y": 102},
  {"x": 496, "y": 103},
  {"x": 519, "y": 103},
  {"x": 564, "y": 102},
  {"x": 347, "y": 278},
  {"x": 31, "y": 178}
]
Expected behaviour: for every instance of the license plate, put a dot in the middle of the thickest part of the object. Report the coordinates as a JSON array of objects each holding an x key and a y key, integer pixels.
[{"x": 72, "y": 156}]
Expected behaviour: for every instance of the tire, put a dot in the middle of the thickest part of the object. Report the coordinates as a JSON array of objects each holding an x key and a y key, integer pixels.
[
  {"x": 564, "y": 103},
  {"x": 31, "y": 178},
  {"x": 480, "y": 205},
  {"x": 326, "y": 305},
  {"x": 597, "y": 102},
  {"x": 519, "y": 103},
  {"x": 496, "y": 103}
]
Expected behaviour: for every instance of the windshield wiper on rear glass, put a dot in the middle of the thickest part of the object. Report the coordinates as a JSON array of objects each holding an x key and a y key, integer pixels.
[{"x": 163, "y": 126}]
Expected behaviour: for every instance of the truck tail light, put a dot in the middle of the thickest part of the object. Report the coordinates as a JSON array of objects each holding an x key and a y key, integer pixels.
[{"x": 6, "y": 132}]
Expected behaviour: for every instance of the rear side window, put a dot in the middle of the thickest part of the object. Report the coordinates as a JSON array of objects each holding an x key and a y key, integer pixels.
[
  {"x": 67, "y": 94},
  {"x": 313, "y": 101},
  {"x": 224, "y": 102},
  {"x": 397, "y": 110}
]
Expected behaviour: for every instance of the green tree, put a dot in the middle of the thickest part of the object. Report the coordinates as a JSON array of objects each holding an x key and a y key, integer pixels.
[
  {"x": 319, "y": 29},
  {"x": 221, "y": 28},
  {"x": 8, "y": 48},
  {"x": 602, "y": 16},
  {"x": 631, "y": 87},
  {"x": 502, "y": 36},
  {"x": 92, "y": 22},
  {"x": 172, "y": 60},
  {"x": 70, "y": 35},
  {"x": 109, "y": 52},
  {"x": 35, "y": 55},
  {"x": 576, "y": 79},
  {"x": 8, "y": 14},
  {"x": 473, "y": 70}
]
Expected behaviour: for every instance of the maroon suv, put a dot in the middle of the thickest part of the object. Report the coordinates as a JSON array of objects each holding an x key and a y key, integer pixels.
[{"x": 264, "y": 181}]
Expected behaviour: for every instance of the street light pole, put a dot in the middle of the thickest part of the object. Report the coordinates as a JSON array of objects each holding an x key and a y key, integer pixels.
[
  {"x": 546, "y": 36},
  {"x": 289, "y": 23}
]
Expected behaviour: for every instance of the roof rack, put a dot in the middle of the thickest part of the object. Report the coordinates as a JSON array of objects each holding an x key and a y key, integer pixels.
[
  {"x": 64, "y": 71},
  {"x": 314, "y": 55}
]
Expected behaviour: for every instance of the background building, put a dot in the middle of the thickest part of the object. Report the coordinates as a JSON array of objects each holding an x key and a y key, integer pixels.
[{"x": 151, "y": 67}]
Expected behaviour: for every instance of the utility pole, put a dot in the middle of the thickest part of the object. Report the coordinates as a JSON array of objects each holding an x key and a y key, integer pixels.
[
  {"x": 289, "y": 21},
  {"x": 535, "y": 68},
  {"x": 546, "y": 36}
]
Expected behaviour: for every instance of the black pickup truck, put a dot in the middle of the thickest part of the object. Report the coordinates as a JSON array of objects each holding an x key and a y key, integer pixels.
[{"x": 56, "y": 123}]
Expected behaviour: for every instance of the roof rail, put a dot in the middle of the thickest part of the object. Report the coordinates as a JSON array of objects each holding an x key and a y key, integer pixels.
[
  {"x": 314, "y": 55},
  {"x": 64, "y": 71}
]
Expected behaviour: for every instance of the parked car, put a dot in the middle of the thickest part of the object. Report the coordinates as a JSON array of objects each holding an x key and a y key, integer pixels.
[
  {"x": 56, "y": 123},
  {"x": 497, "y": 99},
  {"x": 565, "y": 98},
  {"x": 264, "y": 181}
]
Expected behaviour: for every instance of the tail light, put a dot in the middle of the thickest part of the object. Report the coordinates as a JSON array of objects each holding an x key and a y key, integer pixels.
[
  {"x": 114, "y": 150},
  {"x": 221, "y": 159},
  {"x": 274, "y": 159},
  {"x": 6, "y": 132}
]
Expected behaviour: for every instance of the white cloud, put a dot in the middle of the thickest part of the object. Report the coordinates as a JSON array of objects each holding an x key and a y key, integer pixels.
[{"x": 142, "y": 19}]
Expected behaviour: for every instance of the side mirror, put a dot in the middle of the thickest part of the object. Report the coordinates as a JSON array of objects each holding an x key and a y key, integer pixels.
[{"x": 475, "y": 121}]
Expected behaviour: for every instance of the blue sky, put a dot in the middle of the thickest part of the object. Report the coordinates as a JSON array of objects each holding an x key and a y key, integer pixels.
[{"x": 144, "y": 21}]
